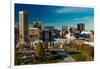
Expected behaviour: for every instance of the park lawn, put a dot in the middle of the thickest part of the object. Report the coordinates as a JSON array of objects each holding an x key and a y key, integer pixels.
[
  {"x": 48, "y": 61},
  {"x": 78, "y": 57}
]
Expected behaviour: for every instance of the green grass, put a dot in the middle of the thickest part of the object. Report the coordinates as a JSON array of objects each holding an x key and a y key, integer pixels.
[
  {"x": 82, "y": 52},
  {"x": 78, "y": 57},
  {"x": 52, "y": 61},
  {"x": 48, "y": 61}
]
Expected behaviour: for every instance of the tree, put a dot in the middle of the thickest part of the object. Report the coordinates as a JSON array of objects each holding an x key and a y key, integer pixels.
[
  {"x": 22, "y": 46},
  {"x": 39, "y": 51}
]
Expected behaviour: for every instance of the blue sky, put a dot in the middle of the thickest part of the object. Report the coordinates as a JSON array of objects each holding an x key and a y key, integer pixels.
[{"x": 57, "y": 15}]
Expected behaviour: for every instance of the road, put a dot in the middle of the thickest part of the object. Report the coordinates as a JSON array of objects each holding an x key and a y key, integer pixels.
[{"x": 68, "y": 59}]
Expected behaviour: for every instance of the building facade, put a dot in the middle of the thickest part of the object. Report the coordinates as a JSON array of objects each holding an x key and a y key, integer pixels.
[
  {"x": 81, "y": 26},
  {"x": 37, "y": 24},
  {"x": 34, "y": 34},
  {"x": 23, "y": 26},
  {"x": 65, "y": 28}
]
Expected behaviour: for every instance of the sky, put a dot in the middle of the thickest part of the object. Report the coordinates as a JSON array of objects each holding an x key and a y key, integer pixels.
[{"x": 57, "y": 16}]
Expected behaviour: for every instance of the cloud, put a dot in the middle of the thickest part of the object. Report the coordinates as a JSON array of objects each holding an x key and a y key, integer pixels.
[
  {"x": 83, "y": 18},
  {"x": 73, "y": 10}
]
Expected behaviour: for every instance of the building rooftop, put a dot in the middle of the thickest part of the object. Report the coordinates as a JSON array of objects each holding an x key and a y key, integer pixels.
[
  {"x": 33, "y": 28},
  {"x": 20, "y": 12}
]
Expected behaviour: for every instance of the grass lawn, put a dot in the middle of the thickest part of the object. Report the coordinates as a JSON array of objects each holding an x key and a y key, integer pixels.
[
  {"x": 82, "y": 52},
  {"x": 48, "y": 61},
  {"x": 52, "y": 61},
  {"x": 78, "y": 57},
  {"x": 81, "y": 56}
]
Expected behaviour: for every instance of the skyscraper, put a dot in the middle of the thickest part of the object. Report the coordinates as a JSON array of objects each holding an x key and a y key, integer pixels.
[
  {"x": 81, "y": 26},
  {"x": 23, "y": 26}
]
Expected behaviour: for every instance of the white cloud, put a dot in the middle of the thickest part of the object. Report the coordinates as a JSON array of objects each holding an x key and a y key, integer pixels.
[
  {"x": 83, "y": 18},
  {"x": 72, "y": 10}
]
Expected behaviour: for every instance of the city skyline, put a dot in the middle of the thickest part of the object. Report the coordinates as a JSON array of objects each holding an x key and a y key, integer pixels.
[
  {"x": 57, "y": 16},
  {"x": 57, "y": 34}
]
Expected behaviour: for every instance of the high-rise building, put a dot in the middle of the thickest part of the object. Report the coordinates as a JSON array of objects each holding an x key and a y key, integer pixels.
[
  {"x": 47, "y": 36},
  {"x": 37, "y": 24},
  {"x": 81, "y": 26},
  {"x": 16, "y": 31},
  {"x": 34, "y": 33},
  {"x": 49, "y": 28},
  {"x": 64, "y": 28},
  {"x": 23, "y": 26}
]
